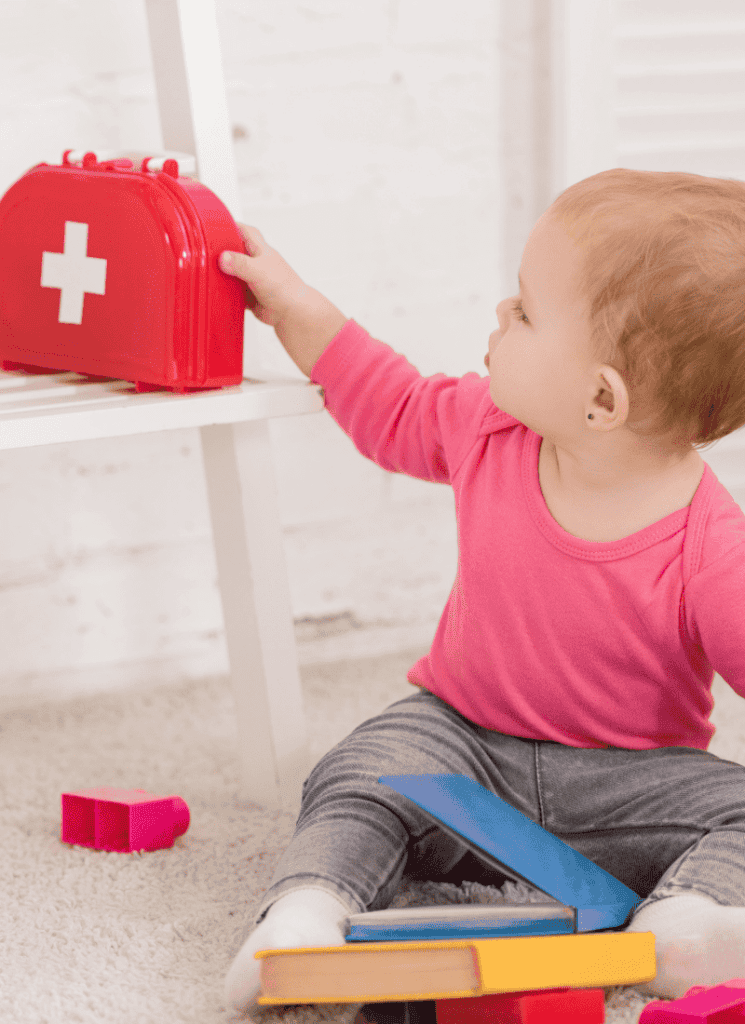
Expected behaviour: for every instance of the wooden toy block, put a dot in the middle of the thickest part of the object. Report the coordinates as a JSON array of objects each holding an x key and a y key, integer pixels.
[
  {"x": 122, "y": 820},
  {"x": 547, "y": 1006},
  {"x": 702, "y": 1004}
]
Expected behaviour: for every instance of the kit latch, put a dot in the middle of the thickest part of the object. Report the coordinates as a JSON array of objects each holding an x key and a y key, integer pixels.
[{"x": 155, "y": 163}]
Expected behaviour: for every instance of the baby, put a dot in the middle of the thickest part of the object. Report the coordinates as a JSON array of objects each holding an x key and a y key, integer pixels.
[{"x": 600, "y": 581}]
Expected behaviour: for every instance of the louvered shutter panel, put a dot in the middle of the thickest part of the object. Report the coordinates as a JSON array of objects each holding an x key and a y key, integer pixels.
[
  {"x": 680, "y": 106},
  {"x": 680, "y": 85}
]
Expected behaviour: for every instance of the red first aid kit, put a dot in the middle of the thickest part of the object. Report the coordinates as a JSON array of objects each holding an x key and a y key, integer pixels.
[{"x": 111, "y": 270}]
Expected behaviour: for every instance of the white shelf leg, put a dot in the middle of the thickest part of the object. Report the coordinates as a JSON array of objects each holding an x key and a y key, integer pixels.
[{"x": 251, "y": 564}]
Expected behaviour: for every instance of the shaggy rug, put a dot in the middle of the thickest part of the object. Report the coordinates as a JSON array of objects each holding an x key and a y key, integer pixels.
[{"x": 92, "y": 937}]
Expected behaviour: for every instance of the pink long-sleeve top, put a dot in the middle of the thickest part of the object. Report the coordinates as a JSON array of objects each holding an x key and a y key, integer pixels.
[{"x": 544, "y": 635}]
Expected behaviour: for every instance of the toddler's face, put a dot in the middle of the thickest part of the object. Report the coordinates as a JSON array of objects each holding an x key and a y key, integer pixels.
[{"x": 539, "y": 361}]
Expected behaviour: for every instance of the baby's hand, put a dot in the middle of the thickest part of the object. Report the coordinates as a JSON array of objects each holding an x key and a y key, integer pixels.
[
  {"x": 274, "y": 287},
  {"x": 303, "y": 319}
]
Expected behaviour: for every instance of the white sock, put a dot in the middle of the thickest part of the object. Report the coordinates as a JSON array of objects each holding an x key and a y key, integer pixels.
[
  {"x": 697, "y": 942},
  {"x": 305, "y": 917}
]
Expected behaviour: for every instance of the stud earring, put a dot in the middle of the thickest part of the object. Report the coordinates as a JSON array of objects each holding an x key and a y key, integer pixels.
[{"x": 590, "y": 416}]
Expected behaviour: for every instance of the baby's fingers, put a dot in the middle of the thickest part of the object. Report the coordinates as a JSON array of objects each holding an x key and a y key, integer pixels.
[
  {"x": 254, "y": 244},
  {"x": 252, "y": 239}
]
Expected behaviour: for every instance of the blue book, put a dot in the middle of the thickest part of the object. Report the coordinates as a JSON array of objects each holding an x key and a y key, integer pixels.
[
  {"x": 460, "y": 921},
  {"x": 589, "y": 898}
]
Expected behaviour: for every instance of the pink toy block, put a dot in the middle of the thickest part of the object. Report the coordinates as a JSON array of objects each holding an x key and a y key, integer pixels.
[
  {"x": 122, "y": 820},
  {"x": 702, "y": 1004},
  {"x": 543, "y": 1006}
]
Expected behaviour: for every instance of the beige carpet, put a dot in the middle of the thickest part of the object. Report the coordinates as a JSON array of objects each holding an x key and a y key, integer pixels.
[{"x": 89, "y": 937}]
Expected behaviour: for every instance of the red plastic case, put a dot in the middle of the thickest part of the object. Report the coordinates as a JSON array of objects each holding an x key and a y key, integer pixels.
[{"x": 111, "y": 271}]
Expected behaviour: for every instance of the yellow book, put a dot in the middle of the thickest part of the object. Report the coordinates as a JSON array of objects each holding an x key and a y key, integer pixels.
[{"x": 451, "y": 969}]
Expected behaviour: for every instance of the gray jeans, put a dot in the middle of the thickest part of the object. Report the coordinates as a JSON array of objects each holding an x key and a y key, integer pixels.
[{"x": 662, "y": 821}]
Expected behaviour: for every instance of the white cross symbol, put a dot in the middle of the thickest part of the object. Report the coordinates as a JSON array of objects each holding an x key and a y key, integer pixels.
[{"x": 73, "y": 272}]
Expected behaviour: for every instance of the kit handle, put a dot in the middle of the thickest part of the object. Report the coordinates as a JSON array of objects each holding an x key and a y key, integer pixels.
[{"x": 186, "y": 163}]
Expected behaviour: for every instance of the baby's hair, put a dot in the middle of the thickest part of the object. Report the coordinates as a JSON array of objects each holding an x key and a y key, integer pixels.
[{"x": 664, "y": 276}]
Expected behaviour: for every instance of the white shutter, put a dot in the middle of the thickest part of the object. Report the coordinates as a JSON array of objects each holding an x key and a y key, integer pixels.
[
  {"x": 680, "y": 85},
  {"x": 680, "y": 106}
]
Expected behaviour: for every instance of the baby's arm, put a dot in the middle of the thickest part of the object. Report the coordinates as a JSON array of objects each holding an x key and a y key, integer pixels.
[
  {"x": 303, "y": 319},
  {"x": 402, "y": 421}
]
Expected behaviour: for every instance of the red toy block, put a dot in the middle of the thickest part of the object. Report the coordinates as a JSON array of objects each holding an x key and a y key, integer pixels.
[
  {"x": 540, "y": 1006},
  {"x": 122, "y": 820},
  {"x": 702, "y": 1004}
]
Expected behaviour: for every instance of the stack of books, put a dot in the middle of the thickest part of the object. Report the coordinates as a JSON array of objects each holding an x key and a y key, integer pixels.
[{"x": 425, "y": 954}]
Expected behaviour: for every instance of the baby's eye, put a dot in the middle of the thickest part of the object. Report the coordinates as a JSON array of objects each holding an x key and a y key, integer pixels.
[{"x": 517, "y": 309}]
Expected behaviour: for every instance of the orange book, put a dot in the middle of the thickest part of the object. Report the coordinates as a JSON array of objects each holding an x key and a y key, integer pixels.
[{"x": 452, "y": 969}]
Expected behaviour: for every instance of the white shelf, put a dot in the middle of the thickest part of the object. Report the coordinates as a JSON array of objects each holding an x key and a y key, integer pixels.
[{"x": 53, "y": 408}]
